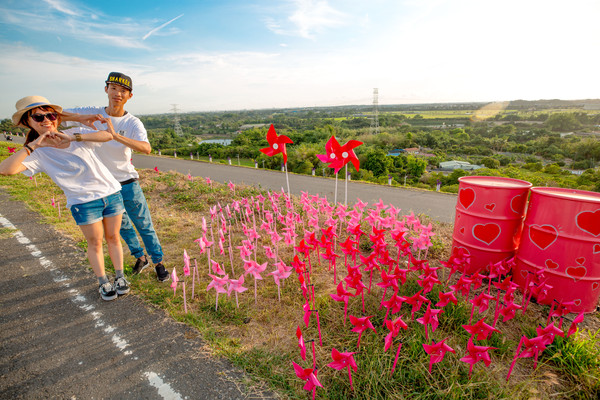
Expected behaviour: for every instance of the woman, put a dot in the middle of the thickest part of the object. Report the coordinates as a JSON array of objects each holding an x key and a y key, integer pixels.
[{"x": 93, "y": 194}]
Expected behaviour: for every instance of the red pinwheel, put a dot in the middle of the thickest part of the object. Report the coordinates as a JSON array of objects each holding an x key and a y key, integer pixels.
[
  {"x": 276, "y": 144},
  {"x": 445, "y": 298},
  {"x": 342, "y": 295},
  {"x": 533, "y": 348},
  {"x": 330, "y": 149},
  {"x": 576, "y": 321},
  {"x": 343, "y": 360},
  {"x": 476, "y": 354},
  {"x": 344, "y": 155},
  {"x": 481, "y": 329},
  {"x": 360, "y": 325},
  {"x": 394, "y": 327},
  {"x": 301, "y": 343},
  {"x": 430, "y": 318},
  {"x": 309, "y": 375},
  {"x": 11, "y": 149},
  {"x": 437, "y": 351}
]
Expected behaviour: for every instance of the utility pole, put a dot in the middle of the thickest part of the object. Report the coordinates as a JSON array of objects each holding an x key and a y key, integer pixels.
[
  {"x": 177, "y": 126},
  {"x": 375, "y": 122}
]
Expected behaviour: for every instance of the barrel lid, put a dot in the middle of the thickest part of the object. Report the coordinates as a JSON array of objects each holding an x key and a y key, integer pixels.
[
  {"x": 569, "y": 194},
  {"x": 495, "y": 182}
]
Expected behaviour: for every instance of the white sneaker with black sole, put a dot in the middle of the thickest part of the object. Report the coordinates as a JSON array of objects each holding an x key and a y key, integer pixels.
[
  {"x": 122, "y": 286},
  {"x": 107, "y": 291}
]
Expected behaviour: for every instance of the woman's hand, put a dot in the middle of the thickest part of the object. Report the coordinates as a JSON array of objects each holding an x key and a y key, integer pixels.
[{"x": 52, "y": 139}]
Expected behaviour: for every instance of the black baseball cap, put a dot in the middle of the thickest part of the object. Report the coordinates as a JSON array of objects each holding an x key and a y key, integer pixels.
[{"x": 120, "y": 79}]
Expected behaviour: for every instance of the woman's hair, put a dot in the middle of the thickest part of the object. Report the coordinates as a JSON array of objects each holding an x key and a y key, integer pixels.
[{"x": 32, "y": 134}]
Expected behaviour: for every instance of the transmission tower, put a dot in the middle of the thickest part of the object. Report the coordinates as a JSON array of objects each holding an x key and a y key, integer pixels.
[
  {"x": 177, "y": 127},
  {"x": 375, "y": 122}
]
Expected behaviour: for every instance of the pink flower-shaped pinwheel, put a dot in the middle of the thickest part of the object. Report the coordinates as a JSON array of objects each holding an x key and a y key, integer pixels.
[
  {"x": 236, "y": 285},
  {"x": 430, "y": 318},
  {"x": 11, "y": 150},
  {"x": 276, "y": 144},
  {"x": 330, "y": 147},
  {"x": 309, "y": 375},
  {"x": 174, "y": 280},
  {"x": 342, "y": 295},
  {"x": 573, "y": 327},
  {"x": 437, "y": 351},
  {"x": 476, "y": 354},
  {"x": 361, "y": 324},
  {"x": 343, "y": 360}
]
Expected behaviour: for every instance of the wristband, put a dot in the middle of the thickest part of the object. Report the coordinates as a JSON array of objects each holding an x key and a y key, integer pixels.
[
  {"x": 28, "y": 149},
  {"x": 78, "y": 137}
]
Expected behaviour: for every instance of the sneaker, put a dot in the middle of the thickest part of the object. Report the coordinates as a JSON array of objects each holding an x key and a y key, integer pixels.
[
  {"x": 107, "y": 291},
  {"x": 140, "y": 265},
  {"x": 122, "y": 286},
  {"x": 161, "y": 273}
]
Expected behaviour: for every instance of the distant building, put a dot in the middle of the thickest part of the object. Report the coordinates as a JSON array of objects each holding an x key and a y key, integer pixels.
[
  {"x": 395, "y": 152},
  {"x": 452, "y": 165}
]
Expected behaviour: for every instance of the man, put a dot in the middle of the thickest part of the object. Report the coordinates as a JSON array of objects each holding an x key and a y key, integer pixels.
[{"x": 130, "y": 134}]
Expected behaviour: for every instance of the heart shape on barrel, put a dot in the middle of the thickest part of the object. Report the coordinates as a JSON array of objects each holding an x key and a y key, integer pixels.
[
  {"x": 466, "y": 197},
  {"x": 576, "y": 273},
  {"x": 543, "y": 236},
  {"x": 589, "y": 221},
  {"x": 486, "y": 233}
]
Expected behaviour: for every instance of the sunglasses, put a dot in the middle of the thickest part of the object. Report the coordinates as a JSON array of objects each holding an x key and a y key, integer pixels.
[{"x": 40, "y": 117}]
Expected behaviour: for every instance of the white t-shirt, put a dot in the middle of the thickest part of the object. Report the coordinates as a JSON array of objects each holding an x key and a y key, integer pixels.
[
  {"x": 76, "y": 170},
  {"x": 116, "y": 156}
]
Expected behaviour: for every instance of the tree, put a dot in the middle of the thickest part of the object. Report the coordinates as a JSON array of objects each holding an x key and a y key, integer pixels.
[
  {"x": 562, "y": 122},
  {"x": 376, "y": 161},
  {"x": 415, "y": 166}
]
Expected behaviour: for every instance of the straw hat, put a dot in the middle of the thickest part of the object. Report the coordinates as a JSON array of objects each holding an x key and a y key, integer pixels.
[{"x": 31, "y": 102}]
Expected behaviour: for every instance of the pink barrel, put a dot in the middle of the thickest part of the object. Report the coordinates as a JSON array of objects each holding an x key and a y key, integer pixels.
[
  {"x": 561, "y": 235},
  {"x": 489, "y": 218}
]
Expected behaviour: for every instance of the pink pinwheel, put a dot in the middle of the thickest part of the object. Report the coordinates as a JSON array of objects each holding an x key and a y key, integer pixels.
[
  {"x": 446, "y": 298},
  {"x": 231, "y": 187},
  {"x": 11, "y": 150},
  {"x": 437, "y": 351},
  {"x": 549, "y": 333},
  {"x": 330, "y": 148},
  {"x": 343, "y": 360},
  {"x": 480, "y": 329},
  {"x": 301, "y": 343},
  {"x": 186, "y": 263},
  {"x": 276, "y": 144},
  {"x": 156, "y": 169},
  {"x": 430, "y": 318},
  {"x": 174, "y": 281},
  {"x": 342, "y": 295},
  {"x": 508, "y": 311},
  {"x": 573, "y": 327},
  {"x": 476, "y": 354},
  {"x": 218, "y": 284},
  {"x": 309, "y": 375},
  {"x": 360, "y": 325},
  {"x": 416, "y": 301},
  {"x": 533, "y": 348},
  {"x": 480, "y": 301},
  {"x": 282, "y": 272},
  {"x": 236, "y": 285},
  {"x": 394, "y": 328}
]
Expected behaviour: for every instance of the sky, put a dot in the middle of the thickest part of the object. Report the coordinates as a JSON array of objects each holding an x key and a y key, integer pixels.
[{"x": 211, "y": 55}]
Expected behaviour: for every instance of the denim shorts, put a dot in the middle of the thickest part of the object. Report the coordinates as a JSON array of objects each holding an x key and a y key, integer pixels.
[{"x": 96, "y": 210}]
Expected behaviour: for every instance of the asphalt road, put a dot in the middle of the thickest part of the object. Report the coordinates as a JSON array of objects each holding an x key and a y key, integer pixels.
[
  {"x": 59, "y": 340},
  {"x": 439, "y": 206}
]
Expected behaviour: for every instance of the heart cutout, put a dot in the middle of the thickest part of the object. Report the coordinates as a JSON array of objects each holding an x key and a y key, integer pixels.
[
  {"x": 524, "y": 273},
  {"x": 543, "y": 236},
  {"x": 462, "y": 230},
  {"x": 517, "y": 203},
  {"x": 576, "y": 273},
  {"x": 577, "y": 302},
  {"x": 580, "y": 260},
  {"x": 596, "y": 248},
  {"x": 551, "y": 264},
  {"x": 595, "y": 286},
  {"x": 589, "y": 221},
  {"x": 466, "y": 197},
  {"x": 465, "y": 251},
  {"x": 486, "y": 233},
  {"x": 490, "y": 207}
]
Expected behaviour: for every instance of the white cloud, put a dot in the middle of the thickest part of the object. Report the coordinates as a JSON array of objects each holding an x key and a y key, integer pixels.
[
  {"x": 153, "y": 31},
  {"x": 308, "y": 18},
  {"x": 62, "y": 7}
]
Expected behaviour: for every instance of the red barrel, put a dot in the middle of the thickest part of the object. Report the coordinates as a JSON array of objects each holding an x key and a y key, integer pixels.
[
  {"x": 489, "y": 218},
  {"x": 561, "y": 235}
]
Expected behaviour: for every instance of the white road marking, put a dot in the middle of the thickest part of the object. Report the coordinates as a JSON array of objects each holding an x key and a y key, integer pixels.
[{"x": 164, "y": 389}]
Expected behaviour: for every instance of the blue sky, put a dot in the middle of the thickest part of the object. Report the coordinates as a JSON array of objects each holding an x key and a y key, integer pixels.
[{"x": 231, "y": 55}]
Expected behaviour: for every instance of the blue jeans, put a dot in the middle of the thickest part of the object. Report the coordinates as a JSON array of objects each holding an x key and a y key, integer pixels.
[{"x": 136, "y": 211}]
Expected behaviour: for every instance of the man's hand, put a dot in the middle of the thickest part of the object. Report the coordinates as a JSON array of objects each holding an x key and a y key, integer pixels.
[
  {"x": 85, "y": 119},
  {"x": 109, "y": 126}
]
